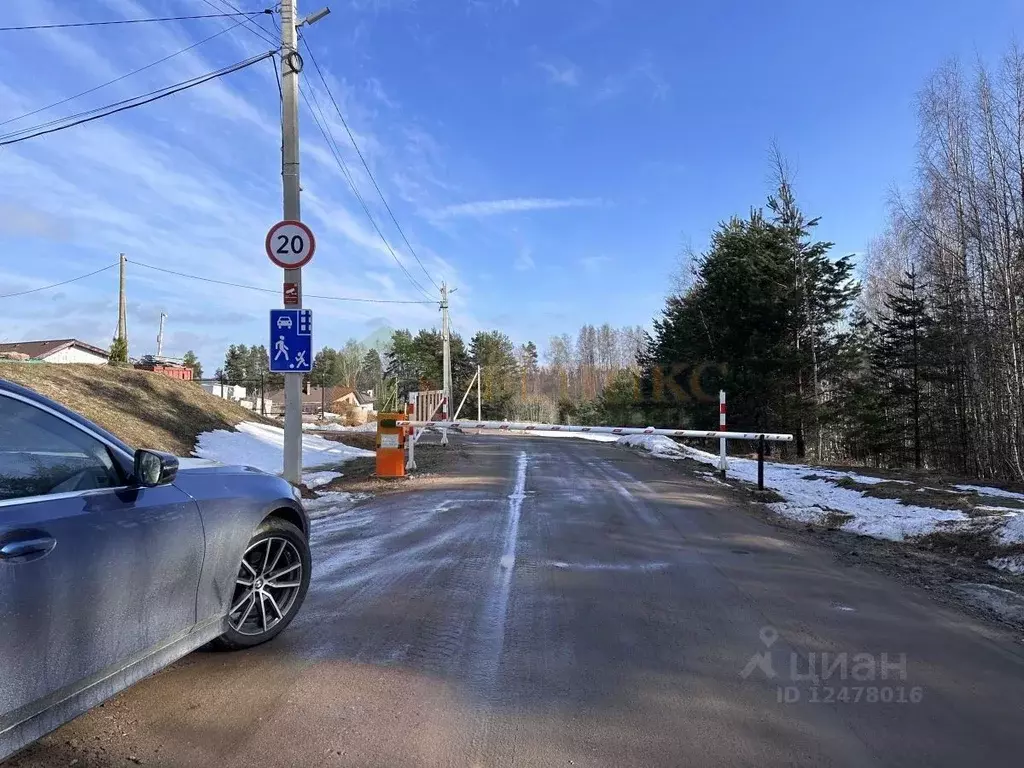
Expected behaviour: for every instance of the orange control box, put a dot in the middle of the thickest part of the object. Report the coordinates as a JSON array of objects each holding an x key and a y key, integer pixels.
[{"x": 390, "y": 445}]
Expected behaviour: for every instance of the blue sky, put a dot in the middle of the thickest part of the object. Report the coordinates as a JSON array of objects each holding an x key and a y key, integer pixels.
[{"x": 548, "y": 158}]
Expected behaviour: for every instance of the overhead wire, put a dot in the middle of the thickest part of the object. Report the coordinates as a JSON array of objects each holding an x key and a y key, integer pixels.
[
  {"x": 271, "y": 290},
  {"x": 110, "y": 22},
  {"x": 366, "y": 165},
  {"x": 124, "y": 76},
  {"x": 62, "y": 282},
  {"x": 336, "y": 152},
  {"x": 250, "y": 24},
  {"x": 126, "y": 104}
]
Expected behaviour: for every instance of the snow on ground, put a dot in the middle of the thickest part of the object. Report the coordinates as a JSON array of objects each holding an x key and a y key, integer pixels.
[
  {"x": 1013, "y": 531},
  {"x": 659, "y": 445},
  {"x": 985, "y": 490},
  {"x": 1011, "y": 564},
  {"x": 262, "y": 446},
  {"x": 812, "y": 500},
  {"x": 316, "y": 479},
  {"x": 601, "y": 438},
  {"x": 331, "y": 426},
  {"x": 331, "y": 503}
]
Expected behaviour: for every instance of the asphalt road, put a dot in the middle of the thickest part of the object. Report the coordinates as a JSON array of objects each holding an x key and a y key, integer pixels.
[{"x": 561, "y": 602}]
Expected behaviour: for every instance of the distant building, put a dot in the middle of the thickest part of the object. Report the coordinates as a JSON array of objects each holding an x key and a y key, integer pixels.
[
  {"x": 316, "y": 400},
  {"x": 236, "y": 393},
  {"x": 164, "y": 367},
  {"x": 55, "y": 351}
]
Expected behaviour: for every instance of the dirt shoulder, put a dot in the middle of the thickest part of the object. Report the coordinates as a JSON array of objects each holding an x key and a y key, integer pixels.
[
  {"x": 945, "y": 569},
  {"x": 438, "y": 467}
]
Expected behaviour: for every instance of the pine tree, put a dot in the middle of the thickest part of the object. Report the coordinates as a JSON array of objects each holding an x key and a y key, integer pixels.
[
  {"x": 191, "y": 361},
  {"x": 903, "y": 339},
  {"x": 235, "y": 361},
  {"x": 119, "y": 351}
]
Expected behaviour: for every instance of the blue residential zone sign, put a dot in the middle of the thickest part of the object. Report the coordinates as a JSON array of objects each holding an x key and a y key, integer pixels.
[{"x": 291, "y": 340}]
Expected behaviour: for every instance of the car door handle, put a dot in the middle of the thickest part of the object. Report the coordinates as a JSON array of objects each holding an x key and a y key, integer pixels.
[{"x": 22, "y": 547}]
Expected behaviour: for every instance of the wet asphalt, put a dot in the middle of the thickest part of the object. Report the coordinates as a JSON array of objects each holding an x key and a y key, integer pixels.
[{"x": 565, "y": 602}]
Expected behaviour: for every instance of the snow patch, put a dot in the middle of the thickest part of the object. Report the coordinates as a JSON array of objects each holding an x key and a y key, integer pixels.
[
  {"x": 330, "y": 426},
  {"x": 1004, "y": 602},
  {"x": 658, "y": 445},
  {"x": 316, "y": 479},
  {"x": 262, "y": 446},
  {"x": 1014, "y": 565},
  {"x": 331, "y": 503},
  {"x": 1008, "y": 511},
  {"x": 1013, "y": 531},
  {"x": 985, "y": 490},
  {"x": 811, "y": 501}
]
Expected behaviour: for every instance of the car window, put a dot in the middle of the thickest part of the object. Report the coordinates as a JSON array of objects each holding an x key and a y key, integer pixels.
[{"x": 41, "y": 454}]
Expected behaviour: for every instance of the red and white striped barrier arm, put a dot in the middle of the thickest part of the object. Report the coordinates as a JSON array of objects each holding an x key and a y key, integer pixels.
[{"x": 531, "y": 427}]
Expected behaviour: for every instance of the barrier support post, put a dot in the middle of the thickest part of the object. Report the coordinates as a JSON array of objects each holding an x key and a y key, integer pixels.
[
  {"x": 410, "y": 442},
  {"x": 760, "y": 463},
  {"x": 723, "y": 463}
]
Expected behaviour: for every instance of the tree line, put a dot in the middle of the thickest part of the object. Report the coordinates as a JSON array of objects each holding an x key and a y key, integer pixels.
[
  {"x": 568, "y": 383},
  {"x": 919, "y": 362}
]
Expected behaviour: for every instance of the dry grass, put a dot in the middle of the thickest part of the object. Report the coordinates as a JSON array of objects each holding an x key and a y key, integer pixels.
[
  {"x": 144, "y": 409},
  {"x": 930, "y": 496}
]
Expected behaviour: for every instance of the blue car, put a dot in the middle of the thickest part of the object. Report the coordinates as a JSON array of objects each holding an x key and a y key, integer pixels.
[{"x": 116, "y": 562}]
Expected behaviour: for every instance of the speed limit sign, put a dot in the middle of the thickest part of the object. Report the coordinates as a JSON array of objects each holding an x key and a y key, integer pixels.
[{"x": 290, "y": 244}]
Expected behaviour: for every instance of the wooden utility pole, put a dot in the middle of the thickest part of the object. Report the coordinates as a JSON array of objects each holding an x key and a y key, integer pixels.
[{"x": 122, "y": 306}]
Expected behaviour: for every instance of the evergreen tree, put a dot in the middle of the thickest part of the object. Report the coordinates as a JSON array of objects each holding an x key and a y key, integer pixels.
[
  {"x": 325, "y": 371},
  {"x": 191, "y": 361},
  {"x": 495, "y": 353},
  {"x": 371, "y": 371},
  {"x": 765, "y": 308},
  {"x": 903, "y": 339},
  {"x": 119, "y": 351},
  {"x": 235, "y": 364}
]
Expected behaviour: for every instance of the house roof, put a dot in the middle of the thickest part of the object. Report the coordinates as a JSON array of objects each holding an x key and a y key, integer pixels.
[
  {"x": 330, "y": 396},
  {"x": 43, "y": 349}
]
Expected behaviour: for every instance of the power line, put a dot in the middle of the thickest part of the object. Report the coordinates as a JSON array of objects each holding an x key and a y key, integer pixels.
[
  {"x": 252, "y": 26},
  {"x": 271, "y": 290},
  {"x": 110, "y": 22},
  {"x": 111, "y": 110},
  {"x": 130, "y": 101},
  {"x": 63, "y": 282},
  {"x": 332, "y": 145},
  {"x": 122, "y": 77},
  {"x": 366, "y": 165}
]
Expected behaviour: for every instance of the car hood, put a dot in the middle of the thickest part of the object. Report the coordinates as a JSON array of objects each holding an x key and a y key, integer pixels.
[{"x": 195, "y": 465}]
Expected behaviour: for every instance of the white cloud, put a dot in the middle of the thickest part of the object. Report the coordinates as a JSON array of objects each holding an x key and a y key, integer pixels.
[
  {"x": 524, "y": 262},
  {"x": 191, "y": 183},
  {"x": 514, "y": 205},
  {"x": 593, "y": 265},
  {"x": 644, "y": 75},
  {"x": 567, "y": 74}
]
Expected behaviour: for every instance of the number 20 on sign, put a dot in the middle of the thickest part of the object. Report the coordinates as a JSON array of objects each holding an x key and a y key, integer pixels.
[{"x": 290, "y": 244}]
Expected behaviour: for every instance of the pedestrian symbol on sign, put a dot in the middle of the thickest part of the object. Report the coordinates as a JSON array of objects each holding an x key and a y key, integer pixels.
[{"x": 281, "y": 348}]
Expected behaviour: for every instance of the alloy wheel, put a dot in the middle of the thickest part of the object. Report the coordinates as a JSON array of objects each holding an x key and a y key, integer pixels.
[{"x": 266, "y": 587}]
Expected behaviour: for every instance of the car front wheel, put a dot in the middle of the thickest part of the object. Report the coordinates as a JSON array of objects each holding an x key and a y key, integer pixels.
[{"x": 270, "y": 586}]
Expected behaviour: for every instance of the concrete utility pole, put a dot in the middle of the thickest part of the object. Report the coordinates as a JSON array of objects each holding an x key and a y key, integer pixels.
[
  {"x": 291, "y": 65},
  {"x": 122, "y": 304},
  {"x": 447, "y": 362},
  {"x": 478, "y": 400},
  {"x": 160, "y": 336},
  {"x": 446, "y": 340}
]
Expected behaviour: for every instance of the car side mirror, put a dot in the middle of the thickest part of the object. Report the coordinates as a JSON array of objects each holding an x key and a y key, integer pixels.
[{"x": 154, "y": 468}]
